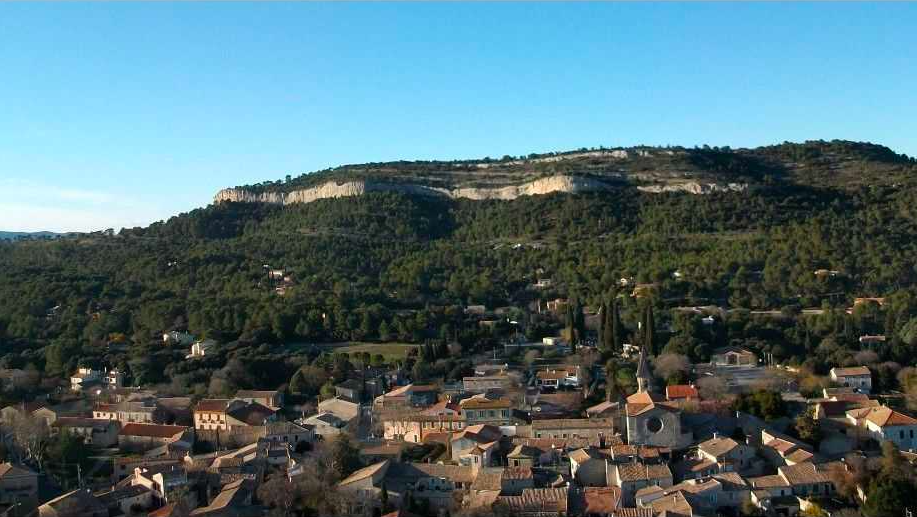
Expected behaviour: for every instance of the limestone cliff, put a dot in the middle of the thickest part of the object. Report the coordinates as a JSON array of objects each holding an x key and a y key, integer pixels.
[{"x": 331, "y": 189}]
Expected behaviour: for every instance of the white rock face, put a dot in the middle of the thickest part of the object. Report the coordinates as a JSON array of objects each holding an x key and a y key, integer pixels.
[
  {"x": 693, "y": 187},
  {"x": 559, "y": 183},
  {"x": 331, "y": 189}
]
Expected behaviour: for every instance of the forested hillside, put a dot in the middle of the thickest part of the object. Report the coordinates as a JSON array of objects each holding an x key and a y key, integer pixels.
[{"x": 392, "y": 267}]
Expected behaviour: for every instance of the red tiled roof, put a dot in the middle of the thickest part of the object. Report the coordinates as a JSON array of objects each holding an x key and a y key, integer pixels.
[
  {"x": 681, "y": 391},
  {"x": 151, "y": 430},
  {"x": 212, "y": 405}
]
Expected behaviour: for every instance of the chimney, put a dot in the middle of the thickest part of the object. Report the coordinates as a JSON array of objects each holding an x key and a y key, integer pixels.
[{"x": 716, "y": 435}]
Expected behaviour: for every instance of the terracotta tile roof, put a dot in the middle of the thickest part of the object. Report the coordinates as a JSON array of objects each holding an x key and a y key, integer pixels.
[
  {"x": 799, "y": 456},
  {"x": 252, "y": 414},
  {"x": 552, "y": 375},
  {"x": 573, "y": 423},
  {"x": 212, "y": 405},
  {"x": 639, "y": 471},
  {"x": 488, "y": 479},
  {"x": 523, "y": 450},
  {"x": 884, "y": 416},
  {"x": 151, "y": 430},
  {"x": 516, "y": 473},
  {"x": 601, "y": 500},
  {"x": 633, "y": 512},
  {"x": 717, "y": 447},
  {"x": 602, "y": 407},
  {"x": 365, "y": 472},
  {"x": 853, "y": 371},
  {"x": 771, "y": 481},
  {"x": 681, "y": 391},
  {"x": 485, "y": 403},
  {"x": 536, "y": 500},
  {"x": 803, "y": 473}
]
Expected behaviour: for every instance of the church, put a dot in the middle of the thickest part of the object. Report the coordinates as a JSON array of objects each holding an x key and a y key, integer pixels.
[{"x": 651, "y": 420}]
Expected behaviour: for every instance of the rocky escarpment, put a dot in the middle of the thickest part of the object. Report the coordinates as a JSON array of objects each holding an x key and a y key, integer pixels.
[{"x": 331, "y": 189}]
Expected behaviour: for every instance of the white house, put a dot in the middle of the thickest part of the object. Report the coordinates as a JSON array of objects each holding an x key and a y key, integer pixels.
[
  {"x": 200, "y": 348},
  {"x": 858, "y": 377},
  {"x": 883, "y": 423}
]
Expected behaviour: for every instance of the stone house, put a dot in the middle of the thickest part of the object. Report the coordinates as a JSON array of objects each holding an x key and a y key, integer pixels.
[
  {"x": 97, "y": 432},
  {"x": 857, "y": 377}
]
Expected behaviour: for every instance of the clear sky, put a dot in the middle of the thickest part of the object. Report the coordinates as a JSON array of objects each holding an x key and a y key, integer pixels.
[{"x": 117, "y": 115}]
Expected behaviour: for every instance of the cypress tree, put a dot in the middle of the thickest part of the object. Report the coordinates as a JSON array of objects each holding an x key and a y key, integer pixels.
[
  {"x": 617, "y": 329},
  {"x": 603, "y": 319},
  {"x": 648, "y": 326}
]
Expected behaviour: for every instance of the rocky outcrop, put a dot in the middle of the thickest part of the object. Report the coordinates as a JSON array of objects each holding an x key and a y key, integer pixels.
[
  {"x": 693, "y": 187},
  {"x": 331, "y": 189},
  {"x": 551, "y": 184}
]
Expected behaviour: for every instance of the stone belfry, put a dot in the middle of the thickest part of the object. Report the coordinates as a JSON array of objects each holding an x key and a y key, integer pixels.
[{"x": 644, "y": 375}]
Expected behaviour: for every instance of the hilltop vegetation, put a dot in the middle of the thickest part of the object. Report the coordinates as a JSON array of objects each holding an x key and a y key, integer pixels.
[
  {"x": 393, "y": 267},
  {"x": 838, "y": 164}
]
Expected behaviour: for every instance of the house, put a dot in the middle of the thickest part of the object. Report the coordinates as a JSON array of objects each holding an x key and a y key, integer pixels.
[
  {"x": 555, "y": 378},
  {"x": 605, "y": 502},
  {"x": 79, "y": 502},
  {"x": 17, "y": 484},
  {"x": 201, "y": 348},
  {"x": 175, "y": 337},
  {"x": 233, "y": 500},
  {"x": 241, "y": 413},
  {"x": 142, "y": 411},
  {"x": 143, "y": 437},
  {"x": 726, "y": 452},
  {"x": 605, "y": 409},
  {"x": 595, "y": 430},
  {"x": 126, "y": 500},
  {"x": 681, "y": 392},
  {"x": 166, "y": 481},
  {"x": 362, "y": 488},
  {"x": 210, "y": 414},
  {"x": 734, "y": 356},
  {"x": 412, "y": 395},
  {"x": 473, "y": 436},
  {"x": 524, "y": 456},
  {"x": 587, "y": 466},
  {"x": 324, "y": 424},
  {"x": 808, "y": 479},
  {"x": 288, "y": 432},
  {"x": 85, "y": 378},
  {"x": 94, "y": 431},
  {"x": 416, "y": 427},
  {"x": 36, "y": 410},
  {"x": 269, "y": 398},
  {"x": 485, "y": 383},
  {"x": 883, "y": 423},
  {"x": 481, "y": 410},
  {"x": 631, "y": 477},
  {"x": 343, "y": 409},
  {"x": 350, "y": 390},
  {"x": 534, "y": 502},
  {"x": 857, "y": 377}
]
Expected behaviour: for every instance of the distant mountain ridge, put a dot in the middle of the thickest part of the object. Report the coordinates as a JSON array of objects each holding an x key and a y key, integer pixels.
[
  {"x": 12, "y": 236},
  {"x": 835, "y": 164}
]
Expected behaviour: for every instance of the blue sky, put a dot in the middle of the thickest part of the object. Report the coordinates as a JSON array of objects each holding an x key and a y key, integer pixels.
[{"x": 117, "y": 115}]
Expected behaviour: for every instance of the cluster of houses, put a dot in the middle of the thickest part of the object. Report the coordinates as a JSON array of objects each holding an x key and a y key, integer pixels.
[
  {"x": 650, "y": 454},
  {"x": 506, "y": 440}
]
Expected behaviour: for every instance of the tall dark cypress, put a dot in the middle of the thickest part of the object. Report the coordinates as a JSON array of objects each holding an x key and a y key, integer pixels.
[
  {"x": 603, "y": 330},
  {"x": 648, "y": 326},
  {"x": 617, "y": 329}
]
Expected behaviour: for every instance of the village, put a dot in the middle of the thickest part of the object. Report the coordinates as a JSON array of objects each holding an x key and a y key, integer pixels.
[{"x": 539, "y": 429}]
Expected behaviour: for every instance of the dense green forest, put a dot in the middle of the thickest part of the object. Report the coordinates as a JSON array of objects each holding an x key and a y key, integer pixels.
[{"x": 392, "y": 267}]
